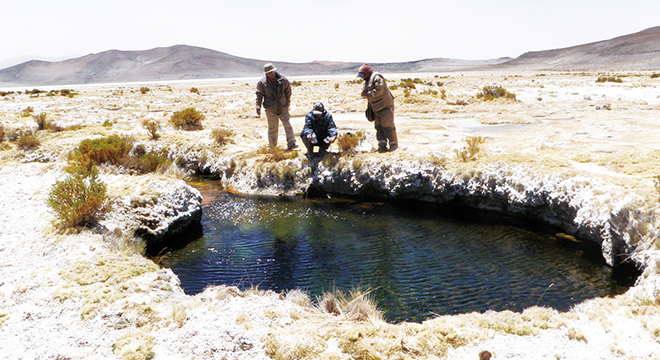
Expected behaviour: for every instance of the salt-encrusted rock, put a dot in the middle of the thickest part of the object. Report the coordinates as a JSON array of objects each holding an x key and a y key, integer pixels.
[
  {"x": 588, "y": 208},
  {"x": 165, "y": 212}
]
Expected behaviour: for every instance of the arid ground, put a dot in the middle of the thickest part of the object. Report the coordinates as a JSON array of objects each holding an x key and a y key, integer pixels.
[{"x": 567, "y": 124}]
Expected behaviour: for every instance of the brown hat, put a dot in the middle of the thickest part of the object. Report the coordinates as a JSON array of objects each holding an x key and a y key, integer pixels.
[
  {"x": 365, "y": 71},
  {"x": 269, "y": 68}
]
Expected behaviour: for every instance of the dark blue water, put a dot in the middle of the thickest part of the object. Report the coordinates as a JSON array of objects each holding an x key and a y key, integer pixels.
[{"x": 419, "y": 260}]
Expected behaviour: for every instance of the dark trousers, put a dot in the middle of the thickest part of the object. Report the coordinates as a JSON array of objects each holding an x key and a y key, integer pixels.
[{"x": 323, "y": 146}]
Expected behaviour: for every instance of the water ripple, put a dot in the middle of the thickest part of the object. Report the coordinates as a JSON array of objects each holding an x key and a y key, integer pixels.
[{"x": 419, "y": 262}]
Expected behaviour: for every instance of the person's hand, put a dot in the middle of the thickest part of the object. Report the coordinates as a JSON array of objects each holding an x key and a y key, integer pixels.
[
  {"x": 259, "y": 112},
  {"x": 311, "y": 138},
  {"x": 330, "y": 139}
]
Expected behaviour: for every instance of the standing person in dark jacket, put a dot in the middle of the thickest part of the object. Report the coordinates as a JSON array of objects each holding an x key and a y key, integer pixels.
[
  {"x": 319, "y": 130},
  {"x": 381, "y": 102},
  {"x": 274, "y": 91}
]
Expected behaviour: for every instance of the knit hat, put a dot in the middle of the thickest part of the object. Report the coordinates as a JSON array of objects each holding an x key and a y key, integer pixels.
[
  {"x": 318, "y": 109},
  {"x": 269, "y": 68},
  {"x": 365, "y": 71}
]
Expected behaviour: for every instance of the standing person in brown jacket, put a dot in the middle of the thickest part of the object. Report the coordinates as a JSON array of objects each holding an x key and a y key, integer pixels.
[
  {"x": 274, "y": 91},
  {"x": 381, "y": 105}
]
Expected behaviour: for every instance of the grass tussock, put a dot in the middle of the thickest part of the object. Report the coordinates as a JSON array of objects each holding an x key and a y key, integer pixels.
[
  {"x": 28, "y": 142},
  {"x": 152, "y": 127},
  {"x": 614, "y": 79},
  {"x": 102, "y": 281},
  {"x": 348, "y": 142},
  {"x": 491, "y": 92},
  {"x": 275, "y": 154},
  {"x": 135, "y": 345},
  {"x": 349, "y": 326},
  {"x": 187, "y": 119},
  {"x": 3, "y": 319},
  {"x": 223, "y": 136},
  {"x": 471, "y": 150}
]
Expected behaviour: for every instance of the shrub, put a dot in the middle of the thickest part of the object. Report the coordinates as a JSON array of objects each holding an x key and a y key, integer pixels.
[
  {"x": 614, "y": 79},
  {"x": 27, "y": 111},
  {"x": 144, "y": 90},
  {"x": 194, "y": 90},
  {"x": 68, "y": 93},
  {"x": 42, "y": 123},
  {"x": 410, "y": 83},
  {"x": 116, "y": 151},
  {"x": 187, "y": 119},
  {"x": 151, "y": 126},
  {"x": 28, "y": 142},
  {"x": 458, "y": 103},
  {"x": 655, "y": 75},
  {"x": 111, "y": 149},
  {"x": 222, "y": 136},
  {"x": 2, "y": 133},
  {"x": 473, "y": 148},
  {"x": 145, "y": 162},
  {"x": 296, "y": 83},
  {"x": 494, "y": 92},
  {"x": 107, "y": 123},
  {"x": 348, "y": 142},
  {"x": 80, "y": 200}
]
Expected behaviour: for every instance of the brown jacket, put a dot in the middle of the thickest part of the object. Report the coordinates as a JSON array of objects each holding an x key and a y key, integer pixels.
[
  {"x": 275, "y": 95},
  {"x": 378, "y": 94}
]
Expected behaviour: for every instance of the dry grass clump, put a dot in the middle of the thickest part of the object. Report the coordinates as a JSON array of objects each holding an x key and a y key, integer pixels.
[
  {"x": 105, "y": 280},
  {"x": 491, "y": 92},
  {"x": 135, "y": 345},
  {"x": 223, "y": 136},
  {"x": 152, "y": 127},
  {"x": 614, "y": 79},
  {"x": 471, "y": 150},
  {"x": 348, "y": 142},
  {"x": 275, "y": 154},
  {"x": 28, "y": 142},
  {"x": 187, "y": 119},
  {"x": 348, "y": 326},
  {"x": 3, "y": 318}
]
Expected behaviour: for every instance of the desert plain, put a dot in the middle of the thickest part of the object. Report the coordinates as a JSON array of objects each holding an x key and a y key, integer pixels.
[{"x": 92, "y": 295}]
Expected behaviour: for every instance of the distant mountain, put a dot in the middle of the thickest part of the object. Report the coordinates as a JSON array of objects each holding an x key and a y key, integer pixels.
[
  {"x": 182, "y": 62},
  {"x": 639, "y": 51}
]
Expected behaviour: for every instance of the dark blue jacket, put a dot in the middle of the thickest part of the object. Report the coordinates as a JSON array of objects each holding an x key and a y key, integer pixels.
[{"x": 322, "y": 127}]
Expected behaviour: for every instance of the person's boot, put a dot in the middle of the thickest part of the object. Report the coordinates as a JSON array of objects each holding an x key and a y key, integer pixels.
[{"x": 390, "y": 133}]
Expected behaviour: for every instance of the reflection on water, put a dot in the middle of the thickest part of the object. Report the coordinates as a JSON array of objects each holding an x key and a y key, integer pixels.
[{"x": 419, "y": 260}]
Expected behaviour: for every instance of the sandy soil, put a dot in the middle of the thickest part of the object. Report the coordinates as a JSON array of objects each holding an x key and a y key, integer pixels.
[{"x": 560, "y": 123}]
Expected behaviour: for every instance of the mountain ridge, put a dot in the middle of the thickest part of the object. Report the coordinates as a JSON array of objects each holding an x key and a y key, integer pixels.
[{"x": 638, "y": 51}]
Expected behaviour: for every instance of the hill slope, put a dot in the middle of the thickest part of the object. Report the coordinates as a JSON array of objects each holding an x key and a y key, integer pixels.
[
  {"x": 639, "y": 51},
  {"x": 181, "y": 62}
]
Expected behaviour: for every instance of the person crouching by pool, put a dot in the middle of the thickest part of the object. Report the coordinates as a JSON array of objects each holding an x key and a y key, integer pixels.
[{"x": 319, "y": 130}]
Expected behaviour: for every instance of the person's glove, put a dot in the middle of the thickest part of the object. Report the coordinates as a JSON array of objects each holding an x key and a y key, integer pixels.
[
  {"x": 330, "y": 139},
  {"x": 312, "y": 138}
]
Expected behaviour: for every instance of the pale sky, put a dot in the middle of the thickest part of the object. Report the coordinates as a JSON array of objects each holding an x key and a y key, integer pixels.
[{"x": 301, "y": 31}]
